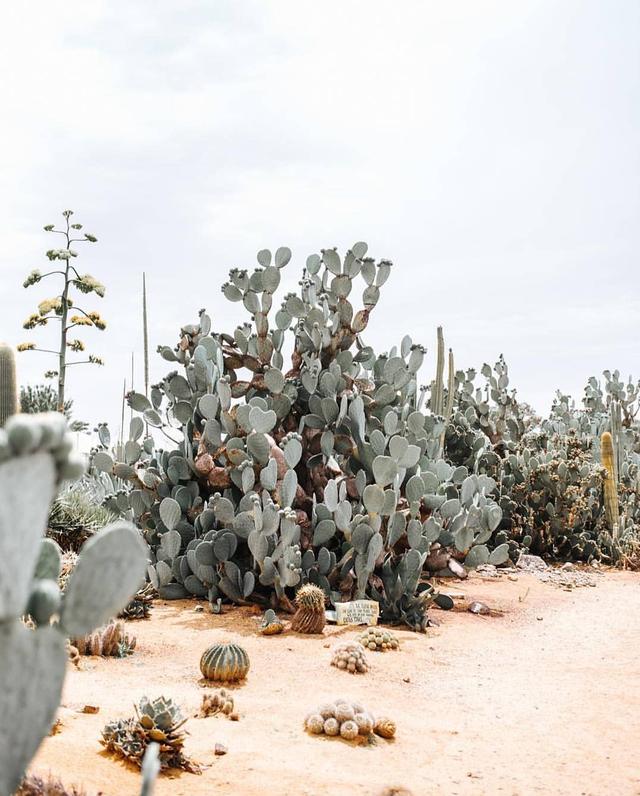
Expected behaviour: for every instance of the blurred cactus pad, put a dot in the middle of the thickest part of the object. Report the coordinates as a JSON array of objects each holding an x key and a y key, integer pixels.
[
  {"x": 35, "y": 456},
  {"x": 338, "y": 467}
]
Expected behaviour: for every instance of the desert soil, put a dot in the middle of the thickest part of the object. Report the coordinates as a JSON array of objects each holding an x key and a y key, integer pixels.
[{"x": 544, "y": 699}]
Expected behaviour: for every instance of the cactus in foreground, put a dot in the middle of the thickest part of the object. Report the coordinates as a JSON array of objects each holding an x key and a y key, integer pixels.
[
  {"x": 34, "y": 458},
  {"x": 8, "y": 384},
  {"x": 310, "y": 616},
  {"x": 610, "y": 483}
]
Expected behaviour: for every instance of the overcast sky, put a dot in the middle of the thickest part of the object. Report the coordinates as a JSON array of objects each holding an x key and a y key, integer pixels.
[{"x": 490, "y": 149}]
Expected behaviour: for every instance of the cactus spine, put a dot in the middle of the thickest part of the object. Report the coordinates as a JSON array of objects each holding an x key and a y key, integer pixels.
[
  {"x": 610, "y": 483},
  {"x": 8, "y": 384}
]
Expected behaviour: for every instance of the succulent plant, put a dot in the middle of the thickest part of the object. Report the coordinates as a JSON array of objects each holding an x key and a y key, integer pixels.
[
  {"x": 341, "y": 718},
  {"x": 218, "y": 702},
  {"x": 225, "y": 663},
  {"x": 158, "y": 721},
  {"x": 140, "y": 605},
  {"x": 350, "y": 656},
  {"x": 108, "y": 641},
  {"x": 309, "y": 616},
  {"x": 377, "y": 639},
  {"x": 271, "y": 624},
  {"x": 8, "y": 384},
  {"x": 33, "y": 785},
  {"x": 385, "y": 728},
  {"x": 34, "y": 458}
]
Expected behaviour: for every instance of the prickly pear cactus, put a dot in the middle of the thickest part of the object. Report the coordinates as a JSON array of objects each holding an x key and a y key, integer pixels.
[
  {"x": 326, "y": 470},
  {"x": 35, "y": 455}
]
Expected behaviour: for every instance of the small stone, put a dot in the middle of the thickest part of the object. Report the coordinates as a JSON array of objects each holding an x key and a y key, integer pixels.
[
  {"x": 198, "y": 609},
  {"x": 220, "y": 749},
  {"x": 406, "y": 679},
  {"x": 90, "y": 709}
]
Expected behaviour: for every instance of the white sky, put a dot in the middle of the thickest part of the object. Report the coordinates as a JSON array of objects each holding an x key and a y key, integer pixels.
[{"x": 489, "y": 148}]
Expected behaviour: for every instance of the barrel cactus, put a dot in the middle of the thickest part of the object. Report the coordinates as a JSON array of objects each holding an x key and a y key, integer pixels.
[
  {"x": 225, "y": 663},
  {"x": 309, "y": 616},
  {"x": 35, "y": 455}
]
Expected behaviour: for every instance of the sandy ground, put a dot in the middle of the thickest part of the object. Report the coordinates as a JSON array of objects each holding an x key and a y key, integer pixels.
[{"x": 542, "y": 700}]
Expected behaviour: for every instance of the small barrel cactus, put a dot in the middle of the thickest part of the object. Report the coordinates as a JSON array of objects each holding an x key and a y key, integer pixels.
[
  {"x": 225, "y": 663},
  {"x": 310, "y": 617},
  {"x": 350, "y": 657},
  {"x": 378, "y": 640},
  {"x": 385, "y": 727},
  {"x": 271, "y": 625},
  {"x": 341, "y": 718}
]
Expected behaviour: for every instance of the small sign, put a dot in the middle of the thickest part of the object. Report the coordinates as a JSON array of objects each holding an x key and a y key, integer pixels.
[{"x": 358, "y": 612}]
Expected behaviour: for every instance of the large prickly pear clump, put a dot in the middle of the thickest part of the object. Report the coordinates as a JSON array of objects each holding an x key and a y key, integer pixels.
[
  {"x": 326, "y": 470},
  {"x": 35, "y": 455}
]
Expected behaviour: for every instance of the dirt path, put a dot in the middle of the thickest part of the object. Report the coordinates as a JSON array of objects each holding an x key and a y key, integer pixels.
[{"x": 544, "y": 700}]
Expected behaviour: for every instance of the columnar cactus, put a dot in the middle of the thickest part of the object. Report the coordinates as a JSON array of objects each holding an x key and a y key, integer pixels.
[
  {"x": 34, "y": 457},
  {"x": 610, "y": 483},
  {"x": 8, "y": 384}
]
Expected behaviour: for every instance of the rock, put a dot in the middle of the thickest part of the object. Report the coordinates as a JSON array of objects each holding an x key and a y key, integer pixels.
[{"x": 220, "y": 749}]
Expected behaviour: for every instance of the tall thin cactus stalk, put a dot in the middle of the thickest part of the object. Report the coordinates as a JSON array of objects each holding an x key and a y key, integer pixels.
[
  {"x": 437, "y": 392},
  {"x": 611, "y": 509},
  {"x": 615, "y": 412},
  {"x": 8, "y": 384},
  {"x": 145, "y": 334}
]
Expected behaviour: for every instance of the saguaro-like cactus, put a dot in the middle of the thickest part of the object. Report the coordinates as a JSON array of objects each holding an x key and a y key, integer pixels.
[
  {"x": 610, "y": 484},
  {"x": 8, "y": 383},
  {"x": 34, "y": 457}
]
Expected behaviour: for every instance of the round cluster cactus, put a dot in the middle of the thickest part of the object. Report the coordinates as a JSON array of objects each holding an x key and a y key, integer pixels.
[
  {"x": 377, "y": 639},
  {"x": 341, "y": 718},
  {"x": 350, "y": 657},
  {"x": 219, "y": 702}
]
